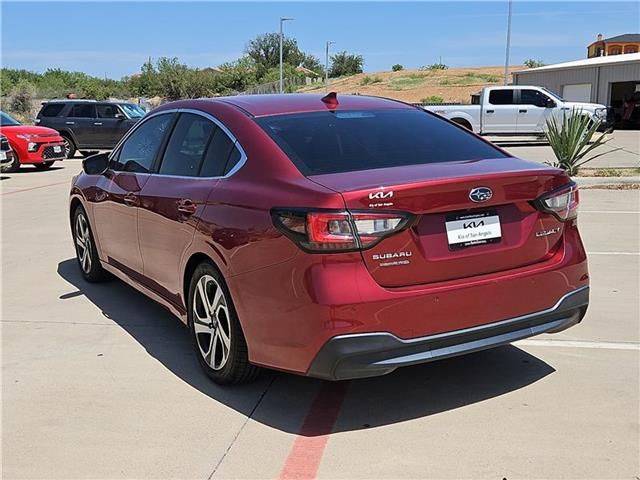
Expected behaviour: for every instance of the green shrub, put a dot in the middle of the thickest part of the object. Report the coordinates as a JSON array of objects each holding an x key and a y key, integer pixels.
[
  {"x": 432, "y": 99},
  {"x": 531, "y": 63},
  {"x": 397, "y": 67},
  {"x": 367, "y": 80},
  {"x": 435, "y": 66},
  {"x": 22, "y": 96},
  {"x": 572, "y": 138}
]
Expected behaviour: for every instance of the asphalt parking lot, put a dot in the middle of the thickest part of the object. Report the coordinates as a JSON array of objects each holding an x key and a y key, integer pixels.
[{"x": 100, "y": 382}]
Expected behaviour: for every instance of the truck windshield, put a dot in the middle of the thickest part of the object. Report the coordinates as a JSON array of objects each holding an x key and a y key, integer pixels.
[
  {"x": 557, "y": 97},
  {"x": 343, "y": 141}
]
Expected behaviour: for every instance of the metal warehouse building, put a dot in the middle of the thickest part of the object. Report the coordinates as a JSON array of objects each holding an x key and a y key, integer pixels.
[{"x": 606, "y": 80}]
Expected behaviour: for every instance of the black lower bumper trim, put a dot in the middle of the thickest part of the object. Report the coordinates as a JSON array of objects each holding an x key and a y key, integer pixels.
[{"x": 378, "y": 353}]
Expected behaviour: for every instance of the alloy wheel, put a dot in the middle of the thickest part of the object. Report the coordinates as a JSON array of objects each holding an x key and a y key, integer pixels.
[
  {"x": 67, "y": 146},
  {"x": 83, "y": 242},
  {"x": 211, "y": 322}
]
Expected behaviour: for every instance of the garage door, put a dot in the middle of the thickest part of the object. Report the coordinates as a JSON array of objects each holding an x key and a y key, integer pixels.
[{"x": 580, "y": 92}]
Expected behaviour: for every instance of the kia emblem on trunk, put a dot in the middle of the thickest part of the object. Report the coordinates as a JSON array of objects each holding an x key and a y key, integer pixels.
[{"x": 480, "y": 194}]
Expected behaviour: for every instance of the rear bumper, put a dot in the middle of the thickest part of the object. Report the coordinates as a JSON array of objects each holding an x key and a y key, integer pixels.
[{"x": 371, "y": 354}]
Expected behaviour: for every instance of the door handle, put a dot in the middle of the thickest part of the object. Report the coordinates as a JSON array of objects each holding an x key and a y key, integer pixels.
[
  {"x": 97, "y": 123},
  {"x": 522, "y": 111},
  {"x": 186, "y": 207},
  {"x": 69, "y": 123},
  {"x": 490, "y": 111},
  {"x": 131, "y": 200}
]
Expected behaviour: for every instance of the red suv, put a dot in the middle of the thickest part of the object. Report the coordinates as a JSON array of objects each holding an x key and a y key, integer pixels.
[
  {"x": 38, "y": 146},
  {"x": 336, "y": 237}
]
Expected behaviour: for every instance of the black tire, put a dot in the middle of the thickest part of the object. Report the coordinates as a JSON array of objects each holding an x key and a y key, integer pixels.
[
  {"x": 69, "y": 146},
  {"x": 209, "y": 341},
  {"x": 43, "y": 165},
  {"x": 90, "y": 266},
  {"x": 12, "y": 167}
]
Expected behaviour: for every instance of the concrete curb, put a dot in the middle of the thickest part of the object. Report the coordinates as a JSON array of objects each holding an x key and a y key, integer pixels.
[{"x": 590, "y": 181}]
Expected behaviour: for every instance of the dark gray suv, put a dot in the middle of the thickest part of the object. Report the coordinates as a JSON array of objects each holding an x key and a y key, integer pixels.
[{"x": 88, "y": 125}]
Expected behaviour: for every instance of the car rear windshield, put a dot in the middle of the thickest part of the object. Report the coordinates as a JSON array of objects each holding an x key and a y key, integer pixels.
[{"x": 344, "y": 141}]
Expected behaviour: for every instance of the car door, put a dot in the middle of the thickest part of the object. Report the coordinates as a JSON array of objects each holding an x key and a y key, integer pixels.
[
  {"x": 499, "y": 112},
  {"x": 533, "y": 111},
  {"x": 108, "y": 123},
  {"x": 173, "y": 199},
  {"x": 80, "y": 121},
  {"x": 116, "y": 210}
]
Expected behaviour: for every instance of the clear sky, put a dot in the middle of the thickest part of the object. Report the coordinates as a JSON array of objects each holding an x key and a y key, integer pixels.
[{"x": 115, "y": 38}]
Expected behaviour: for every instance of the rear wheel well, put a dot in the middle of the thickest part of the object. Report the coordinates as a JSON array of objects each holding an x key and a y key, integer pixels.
[
  {"x": 462, "y": 122},
  {"x": 195, "y": 260}
]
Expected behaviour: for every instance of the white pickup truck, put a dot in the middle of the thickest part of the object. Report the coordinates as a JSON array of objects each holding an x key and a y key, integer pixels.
[{"x": 515, "y": 110}]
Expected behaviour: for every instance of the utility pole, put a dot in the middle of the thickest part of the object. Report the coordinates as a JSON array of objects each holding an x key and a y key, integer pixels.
[
  {"x": 326, "y": 66},
  {"x": 506, "y": 62},
  {"x": 282, "y": 20}
]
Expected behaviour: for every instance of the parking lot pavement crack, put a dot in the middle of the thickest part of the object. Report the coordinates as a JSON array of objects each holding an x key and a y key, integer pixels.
[{"x": 244, "y": 424}]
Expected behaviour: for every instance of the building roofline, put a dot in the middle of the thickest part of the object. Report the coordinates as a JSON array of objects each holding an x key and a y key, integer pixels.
[{"x": 587, "y": 63}]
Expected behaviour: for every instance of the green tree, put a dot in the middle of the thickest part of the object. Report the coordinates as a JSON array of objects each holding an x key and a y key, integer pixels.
[
  {"x": 531, "y": 63},
  {"x": 313, "y": 63},
  {"x": 397, "y": 67},
  {"x": 22, "y": 96},
  {"x": 239, "y": 74},
  {"x": 344, "y": 63},
  {"x": 264, "y": 50}
]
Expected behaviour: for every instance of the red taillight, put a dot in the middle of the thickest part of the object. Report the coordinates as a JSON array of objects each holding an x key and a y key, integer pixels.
[
  {"x": 338, "y": 231},
  {"x": 561, "y": 203}
]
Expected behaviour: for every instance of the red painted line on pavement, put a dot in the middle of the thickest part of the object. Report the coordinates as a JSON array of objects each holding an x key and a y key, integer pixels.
[
  {"x": 67, "y": 182},
  {"x": 305, "y": 455}
]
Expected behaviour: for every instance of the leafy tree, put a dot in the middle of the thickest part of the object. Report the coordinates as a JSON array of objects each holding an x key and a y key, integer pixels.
[
  {"x": 22, "y": 96},
  {"x": 313, "y": 63},
  {"x": 344, "y": 63},
  {"x": 397, "y": 67},
  {"x": 531, "y": 63},
  {"x": 239, "y": 74},
  {"x": 264, "y": 50}
]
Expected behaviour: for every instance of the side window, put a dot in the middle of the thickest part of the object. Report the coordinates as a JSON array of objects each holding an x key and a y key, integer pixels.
[
  {"x": 51, "y": 109},
  {"x": 83, "y": 110},
  {"x": 139, "y": 151},
  {"x": 501, "y": 97},
  {"x": 533, "y": 97},
  {"x": 218, "y": 152},
  {"x": 107, "y": 110},
  {"x": 232, "y": 161},
  {"x": 187, "y": 145}
]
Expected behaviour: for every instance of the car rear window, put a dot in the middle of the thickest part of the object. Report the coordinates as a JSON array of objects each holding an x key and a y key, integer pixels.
[
  {"x": 344, "y": 141},
  {"x": 51, "y": 110}
]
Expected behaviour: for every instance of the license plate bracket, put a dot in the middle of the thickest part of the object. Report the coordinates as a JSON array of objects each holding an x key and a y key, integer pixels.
[{"x": 471, "y": 229}]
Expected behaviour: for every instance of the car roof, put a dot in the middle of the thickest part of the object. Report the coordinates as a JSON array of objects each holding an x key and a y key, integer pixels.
[{"x": 280, "y": 104}]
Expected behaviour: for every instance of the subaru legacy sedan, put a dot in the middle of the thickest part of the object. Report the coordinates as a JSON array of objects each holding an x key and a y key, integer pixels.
[{"x": 337, "y": 237}]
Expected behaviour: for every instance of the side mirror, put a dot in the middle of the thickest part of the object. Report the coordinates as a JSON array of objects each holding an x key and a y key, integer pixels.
[
  {"x": 119, "y": 116},
  {"x": 550, "y": 103},
  {"x": 96, "y": 164}
]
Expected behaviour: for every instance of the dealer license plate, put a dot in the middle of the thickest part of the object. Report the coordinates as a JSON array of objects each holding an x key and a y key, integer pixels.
[
  {"x": 468, "y": 229},
  {"x": 57, "y": 149}
]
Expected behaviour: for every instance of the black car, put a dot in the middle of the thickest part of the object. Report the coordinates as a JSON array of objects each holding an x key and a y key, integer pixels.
[
  {"x": 7, "y": 156},
  {"x": 88, "y": 125}
]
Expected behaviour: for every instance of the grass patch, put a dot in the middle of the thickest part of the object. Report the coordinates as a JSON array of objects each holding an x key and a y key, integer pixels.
[
  {"x": 470, "y": 79},
  {"x": 408, "y": 81},
  {"x": 608, "y": 172},
  {"x": 370, "y": 80},
  {"x": 432, "y": 99}
]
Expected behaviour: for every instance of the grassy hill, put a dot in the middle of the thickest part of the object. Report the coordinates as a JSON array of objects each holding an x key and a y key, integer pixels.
[{"x": 452, "y": 85}]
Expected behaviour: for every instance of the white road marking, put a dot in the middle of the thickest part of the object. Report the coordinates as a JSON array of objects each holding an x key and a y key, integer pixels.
[
  {"x": 578, "y": 344},
  {"x": 613, "y": 253},
  {"x": 637, "y": 212}
]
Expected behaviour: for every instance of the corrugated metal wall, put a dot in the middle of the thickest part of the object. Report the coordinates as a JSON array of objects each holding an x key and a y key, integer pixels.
[{"x": 600, "y": 87}]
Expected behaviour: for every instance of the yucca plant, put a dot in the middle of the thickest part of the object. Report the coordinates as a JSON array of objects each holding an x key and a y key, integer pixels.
[{"x": 573, "y": 138}]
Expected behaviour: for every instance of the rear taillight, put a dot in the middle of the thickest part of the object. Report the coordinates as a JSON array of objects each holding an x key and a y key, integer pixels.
[
  {"x": 561, "y": 203},
  {"x": 338, "y": 231}
]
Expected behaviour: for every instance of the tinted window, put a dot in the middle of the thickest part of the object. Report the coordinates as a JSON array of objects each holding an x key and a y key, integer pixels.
[
  {"x": 330, "y": 142},
  {"x": 533, "y": 97},
  {"x": 187, "y": 145},
  {"x": 139, "y": 151},
  {"x": 83, "y": 110},
  {"x": 501, "y": 97},
  {"x": 217, "y": 155},
  {"x": 107, "y": 110},
  {"x": 232, "y": 161},
  {"x": 6, "y": 120},
  {"x": 51, "y": 110}
]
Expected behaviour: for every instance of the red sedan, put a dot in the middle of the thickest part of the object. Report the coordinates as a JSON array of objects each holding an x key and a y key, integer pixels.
[
  {"x": 37, "y": 146},
  {"x": 336, "y": 237}
]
